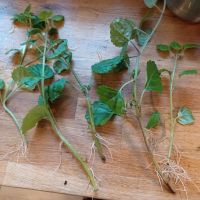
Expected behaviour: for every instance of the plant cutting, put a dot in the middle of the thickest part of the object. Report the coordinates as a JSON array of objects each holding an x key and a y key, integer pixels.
[
  {"x": 111, "y": 101},
  {"x": 36, "y": 74}
]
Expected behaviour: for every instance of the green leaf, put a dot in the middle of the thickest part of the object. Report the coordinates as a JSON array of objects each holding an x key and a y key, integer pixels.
[
  {"x": 53, "y": 91},
  {"x": 27, "y": 9},
  {"x": 36, "y": 71},
  {"x": 101, "y": 112},
  {"x": 58, "y": 51},
  {"x": 19, "y": 73},
  {"x": 153, "y": 82},
  {"x": 163, "y": 47},
  {"x": 150, "y": 3},
  {"x": 106, "y": 93},
  {"x": 112, "y": 98},
  {"x": 60, "y": 65},
  {"x": 175, "y": 46},
  {"x": 153, "y": 120},
  {"x": 30, "y": 82},
  {"x": 133, "y": 73},
  {"x": 45, "y": 14},
  {"x": 33, "y": 117},
  {"x": 191, "y": 46},
  {"x": 142, "y": 37},
  {"x": 114, "y": 64},
  {"x": 58, "y": 18},
  {"x": 2, "y": 84},
  {"x": 33, "y": 31},
  {"x": 121, "y": 31},
  {"x": 188, "y": 72},
  {"x": 185, "y": 116}
]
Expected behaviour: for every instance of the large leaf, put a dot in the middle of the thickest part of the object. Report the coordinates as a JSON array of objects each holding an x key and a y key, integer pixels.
[
  {"x": 101, "y": 112},
  {"x": 153, "y": 82},
  {"x": 121, "y": 31},
  {"x": 30, "y": 82},
  {"x": 53, "y": 91},
  {"x": 150, "y": 3},
  {"x": 2, "y": 84},
  {"x": 33, "y": 117},
  {"x": 36, "y": 71},
  {"x": 185, "y": 116},
  {"x": 153, "y": 120},
  {"x": 188, "y": 72}
]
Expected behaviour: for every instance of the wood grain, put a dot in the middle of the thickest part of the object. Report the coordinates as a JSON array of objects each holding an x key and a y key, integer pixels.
[{"x": 126, "y": 175}]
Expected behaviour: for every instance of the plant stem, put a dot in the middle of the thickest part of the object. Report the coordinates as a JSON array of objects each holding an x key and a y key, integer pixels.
[
  {"x": 172, "y": 121},
  {"x": 156, "y": 165},
  {"x": 16, "y": 123},
  {"x": 55, "y": 127},
  {"x": 84, "y": 164},
  {"x": 97, "y": 142}
]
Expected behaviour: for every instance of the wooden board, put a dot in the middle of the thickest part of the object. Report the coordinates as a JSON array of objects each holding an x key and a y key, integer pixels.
[{"x": 126, "y": 176}]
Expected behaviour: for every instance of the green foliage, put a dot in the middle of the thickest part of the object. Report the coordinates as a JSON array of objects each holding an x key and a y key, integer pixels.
[
  {"x": 2, "y": 84},
  {"x": 53, "y": 91},
  {"x": 36, "y": 71},
  {"x": 150, "y": 3},
  {"x": 19, "y": 73},
  {"x": 153, "y": 120},
  {"x": 45, "y": 15},
  {"x": 114, "y": 64},
  {"x": 163, "y": 47},
  {"x": 175, "y": 46},
  {"x": 33, "y": 31},
  {"x": 101, "y": 112},
  {"x": 143, "y": 37},
  {"x": 122, "y": 31},
  {"x": 190, "y": 46},
  {"x": 188, "y": 72},
  {"x": 36, "y": 114},
  {"x": 60, "y": 65},
  {"x": 153, "y": 82},
  {"x": 58, "y": 18},
  {"x": 185, "y": 116}
]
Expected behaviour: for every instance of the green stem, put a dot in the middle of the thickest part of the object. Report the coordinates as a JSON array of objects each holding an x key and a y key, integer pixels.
[
  {"x": 172, "y": 121},
  {"x": 97, "y": 142},
  {"x": 16, "y": 122},
  {"x": 56, "y": 129},
  {"x": 84, "y": 164},
  {"x": 156, "y": 165}
]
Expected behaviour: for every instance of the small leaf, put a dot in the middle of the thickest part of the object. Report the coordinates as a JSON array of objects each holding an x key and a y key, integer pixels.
[
  {"x": 163, "y": 47},
  {"x": 188, "y": 72},
  {"x": 142, "y": 37},
  {"x": 134, "y": 73},
  {"x": 191, "y": 46},
  {"x": 185, "y": 116},
  {"x": 153, "y": 120},
  {"x": 163, "y": 70},
  {"x": 33, "y": 31},
  {"x": 19, "y": 73},
  {"x": 53, "y": 32},
  {"x": 53, "y": 91},
  {"x": 58, "y": 18},
  {"x": 121, "y": 31},
  {"x": 175, "y": 46},
  {"x": 58, "y": 51},
  {"x": 45, "y": 14},
  {"x": 60, "y": 66},
  {"x": 2, "y": 84},
  {"x": 33, "y": 117},
  {"x": 27, "y": 9},
  {"x": 36, "y": 71},
  {"x": 101, "y": 112},
  {"x": 153, "y": 82},
  {"x": 150, "y": 3},
  {"x": 13, "y": 51},
  {"x": 30, "y": 82}
]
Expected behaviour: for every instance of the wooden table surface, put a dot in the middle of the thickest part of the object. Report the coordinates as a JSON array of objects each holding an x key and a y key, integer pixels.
[{"x": 127, "y": 175}]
